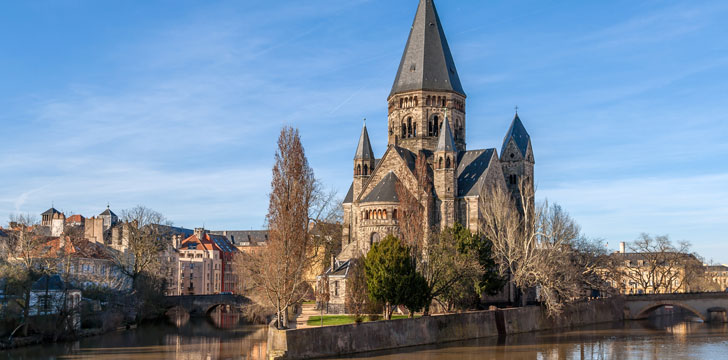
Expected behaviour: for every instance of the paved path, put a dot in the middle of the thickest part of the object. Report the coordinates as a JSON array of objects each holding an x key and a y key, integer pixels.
[{"x": 307, "y": 310}]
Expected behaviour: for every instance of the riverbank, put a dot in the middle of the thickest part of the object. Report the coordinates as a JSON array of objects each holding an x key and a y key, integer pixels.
[
  {"x": 341, "y": 340},
  {"x": 39, "y": 339}
]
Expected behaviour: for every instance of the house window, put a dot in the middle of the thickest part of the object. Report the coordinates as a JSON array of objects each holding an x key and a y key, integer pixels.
[{"x": 336, "y": 288}]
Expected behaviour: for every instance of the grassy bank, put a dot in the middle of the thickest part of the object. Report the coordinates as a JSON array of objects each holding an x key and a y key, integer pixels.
[{"x": 345, "y": 319}]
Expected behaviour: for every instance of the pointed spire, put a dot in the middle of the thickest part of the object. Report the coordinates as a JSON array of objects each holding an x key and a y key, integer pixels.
[
  {"x": 364, "y": 149},
  {"x": 427, "y": 63},
  {"x": 445, "y": 142},
  {"x": 517, "y": 132}
]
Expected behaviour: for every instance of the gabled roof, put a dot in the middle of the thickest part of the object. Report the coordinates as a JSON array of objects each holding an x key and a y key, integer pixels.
[
  {"x": 471, "y": 170},
  {"x": 349, "y": 198},
  {"x": 49, "y": 282},
  {"x": 385, "y": 191},
  {"x": 427, "y": 63},
  {"x": 518, "y": 133},
  {"x": 339, "y": 268},
  {"x": 409, "y": 157},
  {"x": 445, "y": 142},
  {"x": 364, "y": 149},
  {"x": 195, "y": 243},
  {"x": 51, "y": 211}
]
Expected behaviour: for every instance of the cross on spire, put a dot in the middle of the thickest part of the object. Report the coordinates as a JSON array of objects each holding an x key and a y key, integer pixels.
[{"x": 516, "y": 107}]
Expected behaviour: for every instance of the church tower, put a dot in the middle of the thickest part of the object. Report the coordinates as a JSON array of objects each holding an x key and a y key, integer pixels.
[
  {"x": 426, "y": 86},
  {"x": 363, "y": 162},
  {"x": 516, "y": 157},
  {"x": 445, "y": 161}
]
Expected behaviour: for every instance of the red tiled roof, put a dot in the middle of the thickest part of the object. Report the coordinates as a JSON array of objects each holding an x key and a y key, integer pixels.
[
  {"x": 75, "y": 218},
  {"x": 203, "y": 244}
]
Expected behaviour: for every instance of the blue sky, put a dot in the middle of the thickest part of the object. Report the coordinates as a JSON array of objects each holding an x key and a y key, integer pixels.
[{"x": 177, "y": 104}]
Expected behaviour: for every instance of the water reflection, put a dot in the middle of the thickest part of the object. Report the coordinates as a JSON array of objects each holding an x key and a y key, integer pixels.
[
  {"x": 222, "y": 335},
  {"x": 672, "y": 336}
]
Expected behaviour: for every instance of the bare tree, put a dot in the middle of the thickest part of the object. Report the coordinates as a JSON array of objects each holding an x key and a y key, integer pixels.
[
  {"x": 356, "y": 288},
  {"x": 414, "y": 208},
  {"x": 28, "y": 259},
  {"x": 512, "y": 231},
  {"x": 656, "y": 265},
  {"x": 278, "y": 272},
  {"x": 144, "y": 233}
]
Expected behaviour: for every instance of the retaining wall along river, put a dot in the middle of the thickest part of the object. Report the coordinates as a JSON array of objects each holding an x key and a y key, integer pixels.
[{"x": 326, "y": 341}]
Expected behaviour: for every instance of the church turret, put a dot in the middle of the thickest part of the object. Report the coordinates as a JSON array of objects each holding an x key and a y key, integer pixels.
[
  {"x": 363, "y": 161},
  {"x": 425, "y": 87},
  {"x": 517, "y": 157},
  {"x": 445, "y": 160}
]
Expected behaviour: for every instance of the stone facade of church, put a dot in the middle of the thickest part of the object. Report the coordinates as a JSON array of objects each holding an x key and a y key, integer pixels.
[{"x": 427, "y": 117}]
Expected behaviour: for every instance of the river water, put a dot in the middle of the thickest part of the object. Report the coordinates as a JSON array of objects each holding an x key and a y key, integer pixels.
[{"x": 224, "y": 337}]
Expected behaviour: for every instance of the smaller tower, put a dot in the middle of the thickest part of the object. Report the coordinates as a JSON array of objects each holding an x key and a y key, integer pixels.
[
  {"x": 110, "y": 219},
  {"x": 363, "y": 161},
  {"x": 517, "y": 158},
  {"x": 445, "y": 161}
]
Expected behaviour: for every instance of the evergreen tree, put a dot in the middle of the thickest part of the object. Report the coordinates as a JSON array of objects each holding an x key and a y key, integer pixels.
[{"x": 391, "y": 276}]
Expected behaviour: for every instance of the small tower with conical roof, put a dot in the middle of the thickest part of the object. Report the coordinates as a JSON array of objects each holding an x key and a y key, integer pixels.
[
  {"x": 516, "y": 157},
  {"x": 426, "y": 85},
  {"x": 363, "y": 161},
  {"x": 445, "y": 160}
]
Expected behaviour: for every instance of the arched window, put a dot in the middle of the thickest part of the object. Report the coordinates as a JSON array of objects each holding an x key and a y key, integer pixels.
[
  {"x": 428, "y": 101},
  {"x": 439, "y": 163},
  {"x": 384, "y": 214},
  {"x": 416, "y": 103},
  {"x": 400, "y": 102},
  {"x": 373, "y": 238},
  {"x": 434, "y": 127},
  {"x": 404, "y": 130},
  {"x": 358, "y": 170},
  {"x": 409, "y": 127},
  {"x": 366, "y": 170},
  {"x": 447, "y": 163},
  {"x": 513, "y": 179},
  {"x": 394, "y": 214},
  {"x": 414, "y": 130}
]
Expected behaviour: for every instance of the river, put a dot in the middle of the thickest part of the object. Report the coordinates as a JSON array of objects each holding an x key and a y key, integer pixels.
[{"x": 225, "y": 337}]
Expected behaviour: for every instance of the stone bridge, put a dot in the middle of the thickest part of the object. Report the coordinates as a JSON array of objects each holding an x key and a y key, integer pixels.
[
  {"x": 708, "y": 306},
  {"x": 202, "y": 304}
]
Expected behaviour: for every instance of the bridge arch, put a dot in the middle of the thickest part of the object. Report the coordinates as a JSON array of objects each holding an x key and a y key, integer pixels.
[{"x": 645, "y": 311}]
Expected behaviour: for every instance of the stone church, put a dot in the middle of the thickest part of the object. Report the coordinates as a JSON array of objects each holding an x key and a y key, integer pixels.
[{"x": 427, "y": 108}]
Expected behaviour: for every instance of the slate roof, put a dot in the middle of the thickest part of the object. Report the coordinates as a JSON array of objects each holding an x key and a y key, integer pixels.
[
  {"x": 364, "y": 149},
  {"x": 471, "y": 170},
  {"x": 349, "y": 198},
  {"x": 445, "y": 142},
  {"x": 385, "y": 191},
  {"x": 427, "y": 63},
  {"x": 222, "y": 243},
  {"x": 107, "y": 212},
  {"x": 237, "y": 237},
  {"x": 408, "y": 156},
  {"x": 51, "y": 283},
  {"x": 518, "y": 133},
  {"x": 339, "y": 269},
  {"x": 51, "y": 211}
]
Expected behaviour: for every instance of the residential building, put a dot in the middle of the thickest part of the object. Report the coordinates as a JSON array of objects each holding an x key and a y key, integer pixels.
[
  {"x": 650, "y": 273},
  {"x": 50, "y": 295},
  {"x": 205, "y": 264},
  {"x": 719, "y": 274}
]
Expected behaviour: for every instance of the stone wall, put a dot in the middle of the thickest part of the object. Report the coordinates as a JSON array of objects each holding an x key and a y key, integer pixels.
[{"x": 326, "y": 341}]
